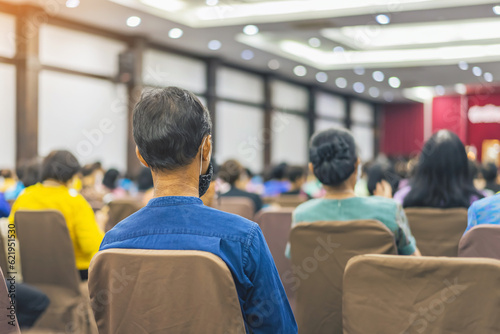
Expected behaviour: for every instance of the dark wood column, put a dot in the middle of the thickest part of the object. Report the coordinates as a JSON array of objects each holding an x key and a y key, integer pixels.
[
  {"x": 211, "y": 95},
  {"x": 134, "y": 87},
  {"x": 27, "y": 71},
  {"x": 267, "y": 134},
  {"x": 311, "y": 113},
  {"x": 348, "y": 107}
]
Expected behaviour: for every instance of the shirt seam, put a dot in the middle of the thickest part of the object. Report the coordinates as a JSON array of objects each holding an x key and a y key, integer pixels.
[
  {"x": 248, "y": 243},
  {"x": 183, "y": 232}
]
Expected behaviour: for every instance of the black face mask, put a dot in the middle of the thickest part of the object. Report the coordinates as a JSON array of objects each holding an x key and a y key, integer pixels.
[{"x": 205, "y": 180}]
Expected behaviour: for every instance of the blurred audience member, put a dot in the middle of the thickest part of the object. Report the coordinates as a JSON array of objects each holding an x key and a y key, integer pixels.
[
  {"x": 58, "y": 170},
  {"x": 297, "y": 176},
  {"x": 7, "y": 180},
  {"x": 441, "y": 178},
  {"x": 92, "y": 193},
  {"x": 145, "y": 185},
  {"x": 334, "y": 161},
  {"x": 379, "y": 172},
  {"x": 4, "y": 207},
  {"x": 30, "y": 304},
  {"x": 490, "y": 174},
  {"x": 276, "y": 182},
  {"x": 230, "y": 173},
  {"x": 110, "y": 182}
]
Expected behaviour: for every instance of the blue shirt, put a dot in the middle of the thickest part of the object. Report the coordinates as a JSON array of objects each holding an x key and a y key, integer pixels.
[
  {"x": 184, "y": 223},
  {"x": 4, "y": 207},
  {"x": 484, "y": 211}
]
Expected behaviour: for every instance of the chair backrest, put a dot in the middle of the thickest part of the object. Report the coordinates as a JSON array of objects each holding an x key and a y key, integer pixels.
[
  {"x": 320, "y": 252},
  {"x": 481, "y": 241},
  {"x": 163, "y": 291},
  {"x": 241, "y": 206},
  {"x": 290, "y": 201},
  {"x": 46, "y": 249},
  {"x": 119, "y": 210},
  {"x": 8, "y": 319},
  {"x": 432, "y": 295},
  {"x": 437, "y": 231},
  {"x": 276, "y": 226}
]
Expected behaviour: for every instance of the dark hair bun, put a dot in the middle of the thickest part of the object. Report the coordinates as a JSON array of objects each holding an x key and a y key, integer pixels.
[{"x": 333, "y": 155}]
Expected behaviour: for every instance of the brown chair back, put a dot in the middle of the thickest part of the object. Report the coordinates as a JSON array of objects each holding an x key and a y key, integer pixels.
[
  {"x": 119, "y": 210},
  {"x": 320, "y": 252},
  {"x": 276, "y": 226},
  {"x": 46, "y": 249},
  {"x": 432, "y": 295},
  {"x": 241, "y": 206},
  {"x": 3, "y": 256},
  {"x": 481, "y": 241},
  {"x": 437, "y": 231},
  {"x": 8, "y": 319},
  {"x": 136, "y": 291},
  {"x": 290, "y": 201}
]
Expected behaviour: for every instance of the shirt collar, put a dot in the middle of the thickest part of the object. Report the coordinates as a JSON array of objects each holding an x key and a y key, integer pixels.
[{"x": 175, "y": 200}]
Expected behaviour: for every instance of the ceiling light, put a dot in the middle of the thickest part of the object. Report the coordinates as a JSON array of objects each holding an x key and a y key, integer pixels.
[
  {"x": 247, "y": 54},
  {"x": 461, "y": 89},
  {"x": 419, "y": 94},
  {"x": 214, "y": 45},
  {"x": 488, "y": 77},
  {"x": 439, "y": 90},
  {"x": 394, "y": 82},
  {"x": 359, "y": 70},
  {"x": 383, "y": 19},
  {"x": 212, "y": 2},
  {"x": 341, "y": 82},
  {"x": 168, "y": 6},
  {"x": 72, "y": 3},
  {"x": 496, "y": 10},
  {"x": 374, "y": 92},
  {"x": 274, "y": 64},
  {"x": 477, "y": 71},
  {"x": 338, "y": 49},
  {"x": 358, "y": 87},
  {"x": 314, "y": 42},
  {"x": 175, "y": 33},
  {"x": 251, "y": 30},
  {"x": 322, "y": 77},
  {"x": 378, "y": 76},
  {"x": 133, "y": 21},
  {"x": 299, "y": 70},
  {"x": 388, "y": 96},
  {"x": 463, "y": 65}
]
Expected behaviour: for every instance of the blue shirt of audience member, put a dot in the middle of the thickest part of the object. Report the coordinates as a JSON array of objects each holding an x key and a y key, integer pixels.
[
  {"x": 484, "y": 211},
  {"x": 4, "y": 207}
]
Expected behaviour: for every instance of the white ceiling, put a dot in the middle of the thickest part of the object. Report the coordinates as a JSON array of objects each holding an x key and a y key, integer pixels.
[{"x": 422, "y": 45}]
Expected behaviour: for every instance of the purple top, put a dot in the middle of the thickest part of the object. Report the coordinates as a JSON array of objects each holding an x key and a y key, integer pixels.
[{"x": 400, "y": 195}]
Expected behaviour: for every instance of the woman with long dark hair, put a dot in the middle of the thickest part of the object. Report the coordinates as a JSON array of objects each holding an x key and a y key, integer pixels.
[{"x": 441, "y": 178}]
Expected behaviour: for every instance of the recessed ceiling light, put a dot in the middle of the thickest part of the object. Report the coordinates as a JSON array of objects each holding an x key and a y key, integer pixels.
[
  {"x": 212, "y": 2},
  {"x": 175, "y": 33},
  {"x": 214, "y": 45},
  {"x": 133, "y": 21},
  {"x": 322, "y": 77},
  {"x": 388, "y": 96},
  {"x": 477, "y": 71},
  {"x": 439, "y": 90},
  {"x": 374, "y": 92},
  {"x": 460, "y": 88},
  {"x": 299, "y": 70},
  {"x": 341, "y": 82},
  {"x": 247, "y": 54},
  {"x": 378, "y": 76},
  {"x": 72, "y": 3},
  {"x": 394, "y": 82},
  {"x": 359, "y": 70},
  {"x": 463, "y": 65},
  {"x": 383, "y": 19},
  {"x": 338, "y": 49},
  {"x": 314, "y": 42},
  {"x": 251, "y": 30},
  {"x": 358, "y": 87},
  {"x": 274, "y": 64},
  {"x": 488, "y": 77},
  {"x": 496, "y": 10}
]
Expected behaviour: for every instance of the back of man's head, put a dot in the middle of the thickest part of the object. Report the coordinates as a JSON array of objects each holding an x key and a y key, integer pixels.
[
  {"x": 169, "y": 126},
  {"x": 230, "y": 171}
]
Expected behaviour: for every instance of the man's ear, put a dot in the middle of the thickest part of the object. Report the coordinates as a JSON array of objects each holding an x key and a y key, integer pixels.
[
  {"x": 139, "y": 156},
  {"x": 311, "y": 167},
  {"x": 207, "y": 149}
]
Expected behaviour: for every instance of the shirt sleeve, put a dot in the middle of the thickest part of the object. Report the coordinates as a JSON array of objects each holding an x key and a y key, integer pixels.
[
  {"x": 471, "y": 217},
  {"x": 266, "y": 307},
  {"x": 404, "y": 239},
  {"x": 87, "y": 232}
]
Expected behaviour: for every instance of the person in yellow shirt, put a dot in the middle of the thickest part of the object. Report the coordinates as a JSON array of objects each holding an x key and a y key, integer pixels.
[{"x": 58, "y": 170}]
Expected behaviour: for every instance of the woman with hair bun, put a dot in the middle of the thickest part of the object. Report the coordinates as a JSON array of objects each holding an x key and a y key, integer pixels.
[{"x": 334, "y": 161}]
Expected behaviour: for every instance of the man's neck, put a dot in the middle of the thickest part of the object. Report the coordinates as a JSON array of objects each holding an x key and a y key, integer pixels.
[{"x": 175, "y": 184}]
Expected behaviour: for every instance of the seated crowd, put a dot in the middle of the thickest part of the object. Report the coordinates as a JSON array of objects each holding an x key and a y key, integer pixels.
[{"x": 180, "y": 183}]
